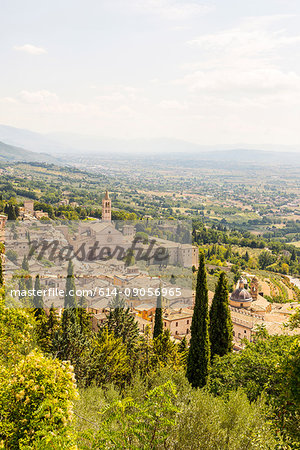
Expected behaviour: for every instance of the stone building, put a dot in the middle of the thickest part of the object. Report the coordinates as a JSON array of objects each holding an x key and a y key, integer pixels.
[
  {"x": 178, "y": 322},
  {"x": 29, "y": 207}
]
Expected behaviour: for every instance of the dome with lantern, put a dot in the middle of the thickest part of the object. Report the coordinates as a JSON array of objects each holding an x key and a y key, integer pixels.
[{"x": 240, "y": 297}]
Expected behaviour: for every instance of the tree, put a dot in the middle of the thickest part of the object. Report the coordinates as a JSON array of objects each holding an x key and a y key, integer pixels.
[
  {"x": 183, "y": 350},
  {"x": 165, "y": 352},
  {"x": 144, "y": 424},
  {"x": 70, "y": 297},
  {"x": 84, "y": 317},
  {"x": 38, "y": 299},
  {"x": 265, "y": 259},
  {"x": 25, "y": 265},
  {"x": 287, "y": 400},
  {"x": 109, "y": 361},
  {"x": 199, "y": 352},
  {"x": 1, "y": 272},
  {"x": 66, "y": 340},
  {"x": 294, "y": 255},
  {"x": 268, "y": 366},
  {"x": 36, "y": 402},
  {"x": 122, "y": 323},
  {"x": 294, "y": 320},
  {"x": 28, "y": 282},
  {"x": 208, "y": 423},
  {"x": 47, "y": 328},
  {"x": 183, "y": 346},
  {"x": 11, "y": 212},
  {"x": 158, "y": 320},
  {"x": 220, "y": 325}
]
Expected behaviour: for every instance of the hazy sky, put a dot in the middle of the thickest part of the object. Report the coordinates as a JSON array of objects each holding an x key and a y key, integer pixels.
[{"x": 210, "y": 72}]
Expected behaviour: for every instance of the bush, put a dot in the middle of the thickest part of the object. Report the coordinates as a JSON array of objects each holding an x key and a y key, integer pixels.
[{"x": 36, "y": 402}]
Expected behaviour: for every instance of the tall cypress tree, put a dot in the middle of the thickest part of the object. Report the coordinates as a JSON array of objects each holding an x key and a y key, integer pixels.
[
  {"x": 38, "y": 302},
  {"x": 1, "y": 272},
  {"x": 69, "y": 323},
  {"x": 158, "y": 320},
  {"x": 199, "y": 352},
  {"x": 70, "y": 300},
  {"x": 220, "y": 329}
]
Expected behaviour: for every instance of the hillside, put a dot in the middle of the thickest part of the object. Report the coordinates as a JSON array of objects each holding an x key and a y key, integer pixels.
[{"x": 11, "y": 153}]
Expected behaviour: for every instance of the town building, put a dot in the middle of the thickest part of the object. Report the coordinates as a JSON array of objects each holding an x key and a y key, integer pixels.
[{"x": 251, "y": 311}]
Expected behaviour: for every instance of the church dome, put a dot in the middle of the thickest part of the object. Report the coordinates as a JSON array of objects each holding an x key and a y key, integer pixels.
[{"x": 241, "y": 295}]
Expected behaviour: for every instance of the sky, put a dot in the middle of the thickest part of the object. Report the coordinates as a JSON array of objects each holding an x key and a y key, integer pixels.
[{"x": 208, "y": 72}]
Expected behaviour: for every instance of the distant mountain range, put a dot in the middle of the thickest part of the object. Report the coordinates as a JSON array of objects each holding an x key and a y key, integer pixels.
[{"x": 19, "y": 144}]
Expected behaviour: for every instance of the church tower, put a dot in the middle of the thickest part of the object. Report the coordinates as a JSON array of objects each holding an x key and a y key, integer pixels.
[
  {"x": 106, "y": 208},
  {"x": 254, "y": 288}
]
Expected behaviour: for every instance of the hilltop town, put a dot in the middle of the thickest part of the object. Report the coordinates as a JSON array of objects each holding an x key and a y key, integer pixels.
[{"x": 99, "y": 280}]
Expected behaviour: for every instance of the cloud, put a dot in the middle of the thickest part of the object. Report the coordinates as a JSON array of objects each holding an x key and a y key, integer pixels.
[
  {"x": 244, "y": 63},
  {"x": 172, "y": 104},
  {"x": 44, "y": 101},
  {"x": 48, "y": 103},
  {"x": 243, "y": 41},
  {"x": 31, "y": 49},
  {"x": 171, "y": 9}
]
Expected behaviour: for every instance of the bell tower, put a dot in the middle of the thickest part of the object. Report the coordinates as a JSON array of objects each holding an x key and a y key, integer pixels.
[
  {"x": 254, "y": 288},
  {"x": 106, "y": 208}
]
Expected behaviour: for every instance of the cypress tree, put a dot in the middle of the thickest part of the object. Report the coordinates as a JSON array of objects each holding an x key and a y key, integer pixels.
[
  {"x": 183, "y": 346},
  {"x": 158, "y": 320},
  {"x": 199, "y": 352},
  {"x": 38, "y": 299},
  {"x": 11, "y": 213},
  {"x": 220, "y": 330},
  {"x": 28, "y": 282},
  {"x": 47, "y": 328},
  {"x": 70, "y": 300},
  {"x": 25, "y": 265},
  {"x": 1, "y": 272},
  {"x": 69, "y": 323},
  {"x": 84, "y": 318}
]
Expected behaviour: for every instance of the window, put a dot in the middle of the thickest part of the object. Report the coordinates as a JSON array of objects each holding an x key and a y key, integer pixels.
[
  {"x": 245, "y": 331},
  {"x": 239, "y": 335},
  {"x": 165, "y": 323},
  {"x": 233, "y": 333},
  {"x": 187, "y": 322},
  {"x": 187, "y": 331},
  {"x": 176, "y": 324}
]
